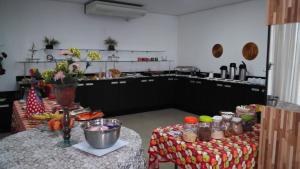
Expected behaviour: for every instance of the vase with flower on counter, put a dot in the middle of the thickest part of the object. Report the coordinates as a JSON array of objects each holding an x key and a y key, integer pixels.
[{"x": 63, "y": 79}]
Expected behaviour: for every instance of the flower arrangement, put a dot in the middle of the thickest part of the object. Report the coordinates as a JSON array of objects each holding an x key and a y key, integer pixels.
[
  {"x": 67, "y": 71},
  {"x": 35, "y": 74},
  {"x": 94, "y": 55}
]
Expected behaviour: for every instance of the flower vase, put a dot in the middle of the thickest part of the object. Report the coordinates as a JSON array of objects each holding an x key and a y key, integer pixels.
[
  {"x": 49, "y": 90},
  {"x": 65, "y": 96}
]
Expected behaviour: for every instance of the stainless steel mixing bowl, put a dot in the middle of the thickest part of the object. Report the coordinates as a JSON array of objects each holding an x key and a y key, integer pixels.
[{"x": 102, "y": 139}]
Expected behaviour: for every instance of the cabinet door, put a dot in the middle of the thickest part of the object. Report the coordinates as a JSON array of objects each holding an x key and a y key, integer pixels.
[
  {"x": 105, "y": 95},
  {"x": 127, "y": 95},
  {"x": 166, "y": 96},
  {"x": 201, "y": 94},
  {"x": 179, "y": 85},
  {"x": 152, "y": 92},
  {"x": 217, "y": 97},
  {"x": 190, "y": 102},
  {"x": 5, "y": 119},
  {"x": 255, "y": 95},
  {"x": 81, "y": 95}
]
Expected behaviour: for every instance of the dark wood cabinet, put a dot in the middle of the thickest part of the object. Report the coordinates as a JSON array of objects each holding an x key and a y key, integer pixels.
[
  {"x": 128, "y": 96},
  {"x": 166, "y": 91},
  {"x": 6, "y": 104},
  {"x": 199, "y": 96}
]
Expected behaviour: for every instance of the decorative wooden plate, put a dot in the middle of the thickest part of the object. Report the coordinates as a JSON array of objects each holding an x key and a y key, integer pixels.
[
  {"x": 250, "y": 51},
  {"x": 217, "y": 50}
]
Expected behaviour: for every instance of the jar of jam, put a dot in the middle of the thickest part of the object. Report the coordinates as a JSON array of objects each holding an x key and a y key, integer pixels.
[
  {"x": 217, "y": 128},
  {"x": 237, "y": 127},
  {"x": 190, "y": 129},
  {"x": 248, "y": 121},
  {"x": 204, "y": 131}
]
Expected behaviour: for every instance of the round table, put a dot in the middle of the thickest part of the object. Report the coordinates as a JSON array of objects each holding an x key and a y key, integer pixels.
[{"x": 37, "y": 149}]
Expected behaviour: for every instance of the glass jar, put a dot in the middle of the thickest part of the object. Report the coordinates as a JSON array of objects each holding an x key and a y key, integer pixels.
[
  {"x": 204, "y": 131},
  {"x": 190, "y": 129},
  {"x": 248, "y": 121},
  {"x": 237, "y": 127},
  {"x": 227, "y": 123},
  {"x": 216, "y": 128}
]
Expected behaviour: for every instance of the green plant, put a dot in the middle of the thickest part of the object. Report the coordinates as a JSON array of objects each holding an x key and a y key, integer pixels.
[
  {"x": 50, "y": 42},
  {"x": 110, "y": 42}
]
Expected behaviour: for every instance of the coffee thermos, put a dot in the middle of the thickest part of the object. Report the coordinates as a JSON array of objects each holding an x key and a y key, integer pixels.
[
  {"x": 223, "y": 72},
  {"x": 232, "y": 70},
  {"x": 242, "y": 71}
]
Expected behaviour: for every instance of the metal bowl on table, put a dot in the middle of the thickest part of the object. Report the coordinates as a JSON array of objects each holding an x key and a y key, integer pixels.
[{"x": 102, "y": 133}]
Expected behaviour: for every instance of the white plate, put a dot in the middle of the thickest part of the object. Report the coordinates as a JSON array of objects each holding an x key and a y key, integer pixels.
[{"x": 84, "y": 146}]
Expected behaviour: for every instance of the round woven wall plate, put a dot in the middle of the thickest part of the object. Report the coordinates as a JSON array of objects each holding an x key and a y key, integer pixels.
[
  {"x": 250, "y": 51},
  {"x": 217, "y": 50}
]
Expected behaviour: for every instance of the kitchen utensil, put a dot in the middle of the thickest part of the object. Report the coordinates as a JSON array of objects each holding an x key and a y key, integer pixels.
[
  {"x": 242, "y": 71},
  {"x": 232, "y": 70},
  {"x": 102, "y": 133},
  {"x": 223, "y": 72}
]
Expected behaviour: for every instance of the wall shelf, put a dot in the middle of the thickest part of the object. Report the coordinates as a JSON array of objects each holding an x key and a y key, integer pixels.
[
  {"x": 96, "y": 61},
  {"x": 105, "y": 50}
]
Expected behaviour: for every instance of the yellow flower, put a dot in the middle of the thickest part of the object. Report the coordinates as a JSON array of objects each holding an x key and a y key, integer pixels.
[
  {"x": 94, "y": 55},
  {"x": 75, "y": 52}
]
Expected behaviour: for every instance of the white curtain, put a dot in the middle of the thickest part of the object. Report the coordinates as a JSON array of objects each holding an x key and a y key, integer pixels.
[{"x": 284, "y": 76}]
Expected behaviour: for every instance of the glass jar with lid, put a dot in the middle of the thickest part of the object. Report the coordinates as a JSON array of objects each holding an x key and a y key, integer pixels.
[
  {"x": 237, "y": 127},
  {"x": 217, "y": 131},
  {"x": 190, "y": 129},
  {"x": 227, "y": 116},
  {"x": 204, "y": 131}
]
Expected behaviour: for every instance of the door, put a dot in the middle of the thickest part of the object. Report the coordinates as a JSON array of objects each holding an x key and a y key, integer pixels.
[
  {"x": 105, "y": 95},
  {"x": 127, "y": 95}
]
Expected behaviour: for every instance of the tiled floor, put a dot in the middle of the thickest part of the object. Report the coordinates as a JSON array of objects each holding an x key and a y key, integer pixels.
[{"x": 144, "y": 123}]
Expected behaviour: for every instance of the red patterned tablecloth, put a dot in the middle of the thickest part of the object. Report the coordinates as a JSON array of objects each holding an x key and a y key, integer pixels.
[
  {"x": 19, "y": 120},
  {"x": 234, "y": 152}
]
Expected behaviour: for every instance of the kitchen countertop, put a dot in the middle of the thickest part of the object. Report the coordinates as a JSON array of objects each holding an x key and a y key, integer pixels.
[
  {"x": 173, "y": 75},
  {"x": 38, "y": 150}
]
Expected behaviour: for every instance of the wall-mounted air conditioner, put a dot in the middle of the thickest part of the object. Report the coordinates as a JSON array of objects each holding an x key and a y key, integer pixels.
[{"x": 115, "y": 8}]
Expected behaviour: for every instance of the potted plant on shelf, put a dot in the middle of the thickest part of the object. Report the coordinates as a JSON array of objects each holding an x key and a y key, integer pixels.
[
  {"x": 50, "y": 43},
  {"x": 111, "y": 43}
]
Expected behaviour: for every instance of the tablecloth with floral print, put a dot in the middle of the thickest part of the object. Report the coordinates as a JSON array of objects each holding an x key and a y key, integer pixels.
[{"x": 234, "y": 152}]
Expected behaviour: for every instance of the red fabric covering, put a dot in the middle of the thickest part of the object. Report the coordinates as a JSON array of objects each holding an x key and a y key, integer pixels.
[{"x": 233, "y": 153}]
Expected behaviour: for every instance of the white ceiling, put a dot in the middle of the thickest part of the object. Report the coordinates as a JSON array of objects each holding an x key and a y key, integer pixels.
[{"x": 175, "y": 7}]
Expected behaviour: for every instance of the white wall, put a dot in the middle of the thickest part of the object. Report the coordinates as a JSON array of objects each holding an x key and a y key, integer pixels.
[
  {"x": 23, "y": 22},
  {"x": 232, "y": 26}
]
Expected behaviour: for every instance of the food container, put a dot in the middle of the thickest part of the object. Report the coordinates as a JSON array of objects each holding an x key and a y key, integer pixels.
[
  {"x": 217, "y": 128},
  {"x": 102, "y": 133},
  {"x": 190, "y": 129},
  {"x": 248, "y": 121},
  {"x": 204, "y": 129},
  {"x": 227, "y": 117},
  {"x": 237, "y": 127}
]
